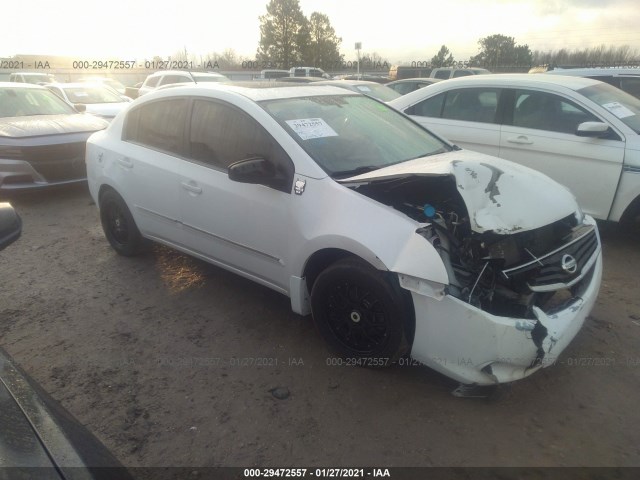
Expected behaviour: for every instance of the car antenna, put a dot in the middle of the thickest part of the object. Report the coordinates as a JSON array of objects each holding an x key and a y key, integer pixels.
[{"x": 194, "y": 78}]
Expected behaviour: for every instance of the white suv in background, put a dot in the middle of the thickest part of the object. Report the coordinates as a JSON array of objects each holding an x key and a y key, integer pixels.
[
  {"x": 583, "y": 133},
  {"x": 627, "y": 79},
  {"x": 308, "y": 72},
  {"x": 169, "y": 77}
]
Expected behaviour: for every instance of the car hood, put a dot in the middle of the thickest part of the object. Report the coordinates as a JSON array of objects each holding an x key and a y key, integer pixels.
[
  {"x": 39, "y": 125},
  {"x": 500, "y": 196},
  {"x": 106, "y": 109}
]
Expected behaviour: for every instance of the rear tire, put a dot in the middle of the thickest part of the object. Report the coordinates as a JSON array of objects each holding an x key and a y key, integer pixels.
[
  {"x": 360, "y": 314},
  {"x": 118, "y": 225},
  {"x": 630, "y": 221}
]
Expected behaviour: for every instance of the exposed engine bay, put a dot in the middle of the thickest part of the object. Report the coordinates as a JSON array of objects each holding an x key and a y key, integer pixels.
[{"x": 502, "y": 274}]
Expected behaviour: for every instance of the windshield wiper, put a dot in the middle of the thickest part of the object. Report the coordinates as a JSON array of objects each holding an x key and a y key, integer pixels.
[{"x": 355, "y": 171}]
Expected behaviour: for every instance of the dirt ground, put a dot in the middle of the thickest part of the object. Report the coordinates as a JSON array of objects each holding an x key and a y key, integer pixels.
[{"x": 172, "y": 362}]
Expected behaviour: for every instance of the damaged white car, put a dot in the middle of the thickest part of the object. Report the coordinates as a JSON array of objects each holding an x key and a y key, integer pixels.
[{"x": 396, "y": 241}]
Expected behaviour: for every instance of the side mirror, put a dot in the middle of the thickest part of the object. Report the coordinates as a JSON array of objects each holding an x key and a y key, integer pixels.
[
  {"x": 252, "y": 170},
  {"x": 10, "y": 225},
  {"x": 80, "y": 107},
  {"x": 592, "y": 129},
  {"x": 259, "y": 171}
]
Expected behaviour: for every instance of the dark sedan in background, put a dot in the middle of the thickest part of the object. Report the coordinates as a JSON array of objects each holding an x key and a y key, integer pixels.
[
  {"x": 42, "y": 138},
  {"x": 371, "y": 89},
  {"x": 409, "y": 85}
]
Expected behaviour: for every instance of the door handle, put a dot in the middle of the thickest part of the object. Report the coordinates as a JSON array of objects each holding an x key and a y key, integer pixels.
[
  {"x": 125, "y": 162},
  {"x": 520, "y": 139},
  {"x": 192, "y": 187}
]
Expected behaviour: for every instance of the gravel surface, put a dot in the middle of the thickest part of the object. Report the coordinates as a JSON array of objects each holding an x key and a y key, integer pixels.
[{"x": 172, "y": 362}]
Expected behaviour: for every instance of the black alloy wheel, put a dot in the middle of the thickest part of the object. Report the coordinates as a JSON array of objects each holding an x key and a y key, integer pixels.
[
  {"x": 359, "y": 312},
  {"x": 118, "y": 225}
]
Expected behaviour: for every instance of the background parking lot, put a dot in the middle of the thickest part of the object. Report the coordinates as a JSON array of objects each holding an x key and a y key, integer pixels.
[{"x": 173, "y": 362}]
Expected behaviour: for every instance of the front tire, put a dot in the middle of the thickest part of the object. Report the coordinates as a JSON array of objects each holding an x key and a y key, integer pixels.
[
  {"x": 360, "y": 313},
  {"x": 118, "y": 225}
]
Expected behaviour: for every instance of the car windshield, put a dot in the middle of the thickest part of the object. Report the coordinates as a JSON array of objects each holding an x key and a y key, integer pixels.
[
  {"x": 116, "y": 85},
  {"x": 381, "y": 92},
  {"x": 210, "y": 78},
  {"x": 22, "y": 102},
  {"x": 109, "y": 82},
  {"x": 351, "y": 134},
  {"x": 38, "y": 78},
  {"x": 91, "y": 95},
  {"x": 621, "y": 104}
]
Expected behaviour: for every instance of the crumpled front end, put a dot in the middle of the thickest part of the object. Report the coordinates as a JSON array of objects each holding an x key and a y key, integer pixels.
[
  {"x": 473, "y": 346},
  {"x": 523, "y": 265},
  {"x": 511, "y": 309}
]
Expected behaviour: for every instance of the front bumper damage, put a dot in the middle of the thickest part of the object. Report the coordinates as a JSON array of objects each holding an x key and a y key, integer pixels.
[{"x": 473, "y": 346}]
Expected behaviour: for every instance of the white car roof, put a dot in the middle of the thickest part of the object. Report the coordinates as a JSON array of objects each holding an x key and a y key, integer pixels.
[
  {"x": 522, "y": 79},
  {"x": 514, "y": 80},
  {"x": 76, "y": 85},
  {"x": 417, "y": 79},
  {"x": 20, "y": 85},
  {"x": 592, "y": 72},
  {"x": 257, "y": 93},
  {"x": 348, "y": 82},
  {"x": 185, "y": 72}
]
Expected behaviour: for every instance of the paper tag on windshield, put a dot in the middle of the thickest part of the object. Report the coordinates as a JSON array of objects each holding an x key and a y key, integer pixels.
[
  {"x": 307, "y": 128},
  {"x": 363, "y": 88},
  {"x": 618, "y": 109}
]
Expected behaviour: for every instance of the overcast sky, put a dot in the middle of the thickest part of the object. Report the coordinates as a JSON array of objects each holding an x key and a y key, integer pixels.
[{"x": 399, "y": 30}]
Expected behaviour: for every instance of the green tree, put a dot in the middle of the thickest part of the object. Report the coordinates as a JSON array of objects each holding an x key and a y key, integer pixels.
[
  {"x": 522, "y": 55},
  {"x": 500, "y": 50},
  {"x": 443, "y": 58},
  {"x": 282, "y": 33},
  {"x": 323, "y": 49}
]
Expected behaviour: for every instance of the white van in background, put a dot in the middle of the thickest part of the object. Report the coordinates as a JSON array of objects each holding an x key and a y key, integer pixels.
[{"x": 308, "y": 72}]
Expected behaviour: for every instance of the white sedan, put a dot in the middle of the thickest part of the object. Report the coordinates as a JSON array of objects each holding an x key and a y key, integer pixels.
[
  {"x": 96, "y": 99},
  {"x": 172, "y": 77},
  {"x": 583, "y": 133},
  {"x": 396, "y": 241}
]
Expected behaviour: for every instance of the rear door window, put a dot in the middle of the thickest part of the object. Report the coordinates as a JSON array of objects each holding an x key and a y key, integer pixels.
[
  {"x": 169, "y": 79},
  {"x": 431, "y": 107},
  {"x": 471, "y": 105},
  {"x": 159, "y": 125},
  {"x": 461, "y": 73},
  {"x": 151, "y": 81}
]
